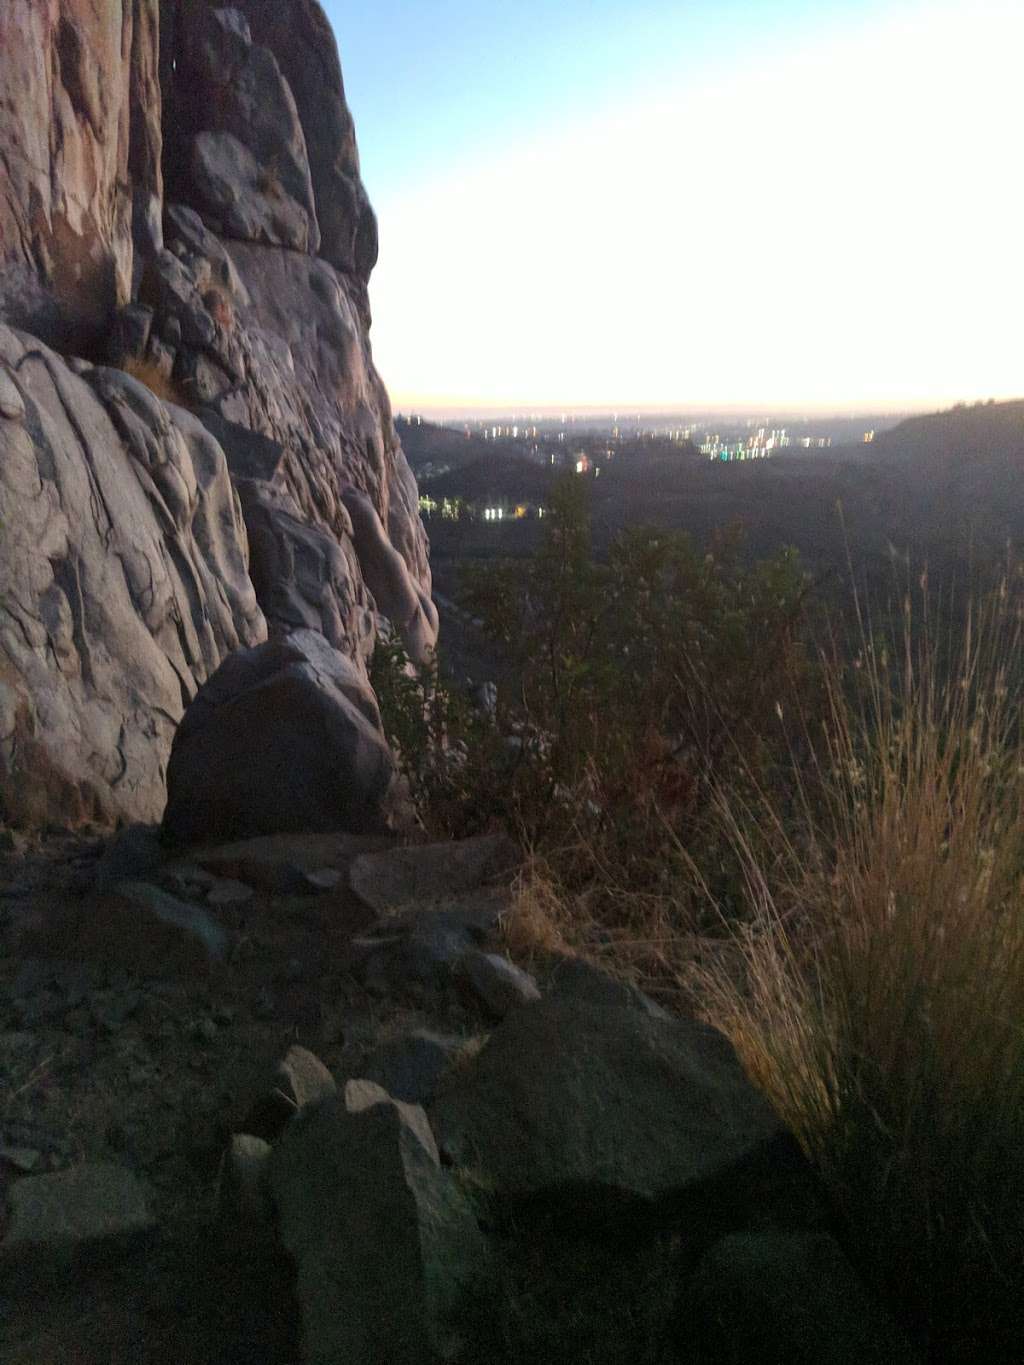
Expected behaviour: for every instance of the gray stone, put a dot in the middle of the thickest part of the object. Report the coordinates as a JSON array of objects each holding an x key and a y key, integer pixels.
[
  {"x": 21, "y": 1158},
  {"x": 784, "y": 1297},
  {"x": 226, "y": 891},
  {"x": 418, "y": 961},
  {"x": 384, "y": 1241},
  {"x": 284, "y": 737},
  {"x": 299, "y": 1079},
  {"x": 323, "y": 879},
  {"x": 245, "y": 1211},
  {"x": 401, "y": 876},
  {"x": 190, "y": 920},
  {"x": 574, "y": 979},
  {"x": 63, "y": 1219},
  {"x": 280, "y": 864},
  {"x": 497, "y": 983},
  {"x": 133, "y": 854},
  {"x": 570, "y": 1099},
  {"x": 410, "y": 1066}
]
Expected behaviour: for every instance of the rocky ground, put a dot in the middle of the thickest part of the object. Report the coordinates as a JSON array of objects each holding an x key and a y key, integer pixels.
[
  {"x": 289, "y": 1099},
  {"x": 122, "y": 1043}
]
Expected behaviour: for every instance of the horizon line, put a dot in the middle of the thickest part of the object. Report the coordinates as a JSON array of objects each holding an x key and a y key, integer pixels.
[{"x": 454, "y": 409}]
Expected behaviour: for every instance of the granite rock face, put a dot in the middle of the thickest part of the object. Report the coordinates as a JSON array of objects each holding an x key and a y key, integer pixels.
[
  {"x": 80, "y": 146},
  {"x": 268, "y": 490},
  {"x": 123, "y": 583}
]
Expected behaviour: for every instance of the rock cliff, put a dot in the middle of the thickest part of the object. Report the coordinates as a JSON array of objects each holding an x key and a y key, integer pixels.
[{"x": 181, "y": 205}]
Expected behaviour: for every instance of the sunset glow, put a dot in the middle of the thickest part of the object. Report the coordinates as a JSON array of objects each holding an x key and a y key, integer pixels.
[{"x": 826, "y": 217}]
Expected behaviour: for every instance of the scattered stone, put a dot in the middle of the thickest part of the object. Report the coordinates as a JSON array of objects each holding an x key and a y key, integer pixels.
[
  {"x": 784, "y": 1297},
  {"x": 323, "y": 879},
  {"x": 410, "y": 1066},
  {"x": 426, "y": 872},
  {"x": 191, "y": 922},
  {"x": 111, "y": 1010},
  {"x": 264, "y": 1006},
  {"x": 225, "y": 891},
  {"x": 15, "y": 1045},
  {"x": 575, "y": 979},
  {"x": 63, "y": 1219},
  {"x": 568, "y": 1099},
  {"x": 300, "y": 1079},
  {"x": 183, "y": 878},
  {"x": 16, "y": 890},
  {"x": 385, "y": 1243},
  {"x": 205, "y": 1031},
  {"x": 133, "y": 855},
  {"x": 497, "y": 983},
  {"x": 21, "y": 1158},
  {"x": 244, "y": 1208},
  {"x": 419, "y": 959}
]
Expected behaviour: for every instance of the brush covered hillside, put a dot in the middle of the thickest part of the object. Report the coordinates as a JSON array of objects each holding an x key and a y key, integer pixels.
[{"x": 946, "y": 489}]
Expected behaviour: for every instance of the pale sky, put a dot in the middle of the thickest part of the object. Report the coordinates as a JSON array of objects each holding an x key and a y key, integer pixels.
[{"x": 681, "y": 205}]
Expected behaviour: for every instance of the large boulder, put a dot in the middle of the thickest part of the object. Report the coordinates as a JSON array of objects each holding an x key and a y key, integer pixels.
[
  {"x": 123, "y": 585},
  {"x": 385, "y": 1244},
  {"x": 81, "y": 137},
  {"x": 602, "y": 1106},
  {"x": 284, "y": 737}
]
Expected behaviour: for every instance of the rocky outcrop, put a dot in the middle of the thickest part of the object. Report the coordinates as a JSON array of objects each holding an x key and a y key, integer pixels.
[
  {"x": 123, "y": 582},
  {"x": 266, "y": 491},
  {"x": 80, "y": 142}
]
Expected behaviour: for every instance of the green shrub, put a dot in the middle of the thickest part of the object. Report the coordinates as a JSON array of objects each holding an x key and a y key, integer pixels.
[{"x": 644, "y": 680}]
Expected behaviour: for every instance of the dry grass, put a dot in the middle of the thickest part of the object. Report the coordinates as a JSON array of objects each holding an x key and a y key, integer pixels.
[
  {"x": 639, "y": 937},
  {"x": 150, "y": 374},
  {"x": 881, "y": 1006}
]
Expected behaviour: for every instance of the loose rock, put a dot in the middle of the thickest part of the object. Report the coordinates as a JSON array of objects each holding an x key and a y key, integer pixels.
[
  {"x": 428, "y": 872},
  {"x": 498, "y": 984},
  {"x": 63, "y": 1219},
  {"x": 566, "y": 1098},
  {"x": 384, "y": 1241}
]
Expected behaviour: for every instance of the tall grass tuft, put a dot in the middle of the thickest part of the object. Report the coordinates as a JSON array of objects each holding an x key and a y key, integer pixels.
[{"x": 880, "y": 1001}]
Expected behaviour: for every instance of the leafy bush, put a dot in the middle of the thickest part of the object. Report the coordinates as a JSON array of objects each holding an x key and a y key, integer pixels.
[
  {"x": 630, "y": 688},
  {"x": 647, "y": 677}
]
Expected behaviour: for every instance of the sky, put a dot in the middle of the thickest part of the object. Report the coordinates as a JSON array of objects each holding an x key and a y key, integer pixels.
[{"x": 700, "y": 204}]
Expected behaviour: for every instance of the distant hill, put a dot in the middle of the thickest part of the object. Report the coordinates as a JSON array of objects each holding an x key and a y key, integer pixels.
[
  {"x": 946, "y": 489},
  {"x": 499, "y": 478},
  {"x": 991, "y": 434}
]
